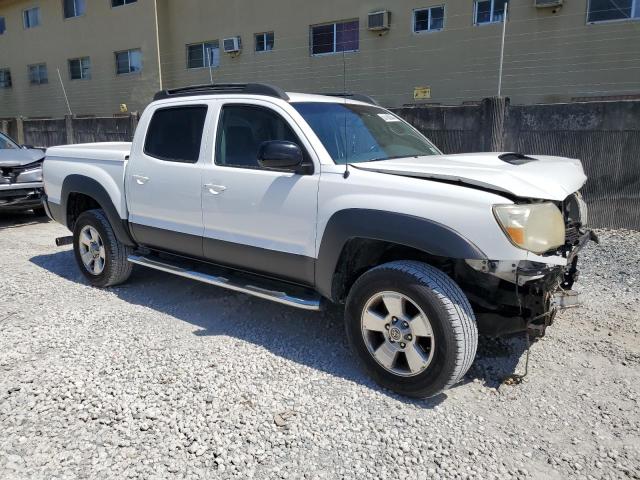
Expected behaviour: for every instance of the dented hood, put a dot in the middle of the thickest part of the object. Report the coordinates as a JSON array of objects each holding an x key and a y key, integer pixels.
[
  {"x": 17, "y": 157},
  {"x": 535, "y": 176}
]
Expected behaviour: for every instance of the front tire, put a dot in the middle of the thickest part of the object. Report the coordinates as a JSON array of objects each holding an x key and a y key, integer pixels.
[
  {"x": 411, "y": 327},
  {"x": 101, "y": 257}
]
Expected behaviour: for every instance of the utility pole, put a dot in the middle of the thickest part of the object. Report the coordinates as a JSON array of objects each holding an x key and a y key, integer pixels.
[{"x": 504, "y": 31}]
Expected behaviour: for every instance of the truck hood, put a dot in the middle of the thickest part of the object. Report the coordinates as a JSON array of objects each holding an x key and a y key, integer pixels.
[
  {"x": 13, "y": 157},
  {"x": 534, "y": 176}
]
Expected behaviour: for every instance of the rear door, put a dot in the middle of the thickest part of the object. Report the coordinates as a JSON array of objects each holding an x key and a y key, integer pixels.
[
  {"x": 163, "y": 179},
  {"x": 256, "y": 219}
]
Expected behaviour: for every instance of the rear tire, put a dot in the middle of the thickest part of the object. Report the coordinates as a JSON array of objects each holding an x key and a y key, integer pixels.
[
  {"x": 101, "y": 257},
  {"x": 411, "y": 327}
]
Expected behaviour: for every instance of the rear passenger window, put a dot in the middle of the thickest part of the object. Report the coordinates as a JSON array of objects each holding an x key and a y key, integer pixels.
[
  {"x": 242, "y": 130},
  {"x": 175, "y": 134}
]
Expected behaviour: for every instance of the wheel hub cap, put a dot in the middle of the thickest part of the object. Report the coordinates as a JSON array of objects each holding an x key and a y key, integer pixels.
[
  {"x": 91, "y": 249},
  {"x": 397, "y": 333}
]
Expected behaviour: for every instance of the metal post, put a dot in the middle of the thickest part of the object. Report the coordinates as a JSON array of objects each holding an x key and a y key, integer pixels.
[
  {"x": 155, "y": 8},
  {"x": 208, "y": 52},
  {"x": 64, "y": 91},
  {"x": 504, "y": 31}
]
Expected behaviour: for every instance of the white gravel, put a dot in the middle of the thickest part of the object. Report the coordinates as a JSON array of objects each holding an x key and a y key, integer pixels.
[{"x": 168, "y": 378}]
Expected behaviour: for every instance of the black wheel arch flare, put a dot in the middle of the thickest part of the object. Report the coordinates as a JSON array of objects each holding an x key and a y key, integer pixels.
[{"x": 422, "y": 234}]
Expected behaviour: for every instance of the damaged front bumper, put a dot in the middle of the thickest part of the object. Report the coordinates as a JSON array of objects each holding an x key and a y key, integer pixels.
[
  {"x": 20, "y": 196},
  {"x": 516, "y": 296}
]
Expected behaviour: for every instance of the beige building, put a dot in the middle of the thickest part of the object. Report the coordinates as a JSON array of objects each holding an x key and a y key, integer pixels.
[{"x": 116, "y": 53}]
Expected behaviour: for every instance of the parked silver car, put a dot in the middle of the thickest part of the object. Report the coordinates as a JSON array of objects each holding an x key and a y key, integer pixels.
[{"x": 21, "y": 184}]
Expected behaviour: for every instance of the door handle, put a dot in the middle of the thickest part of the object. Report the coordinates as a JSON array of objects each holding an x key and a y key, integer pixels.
[
  {"x": 140, "y": 179},
  {"x": 214, "y": 189}
]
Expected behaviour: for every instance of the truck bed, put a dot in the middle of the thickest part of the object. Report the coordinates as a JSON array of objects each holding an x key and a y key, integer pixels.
[{"x": 103, "y": 162}]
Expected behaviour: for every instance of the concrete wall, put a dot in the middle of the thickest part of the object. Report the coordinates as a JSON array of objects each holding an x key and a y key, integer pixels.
[{"x": 551, "y": 55}]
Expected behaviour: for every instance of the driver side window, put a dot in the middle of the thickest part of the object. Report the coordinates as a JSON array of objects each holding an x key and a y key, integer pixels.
[{"x": 241, "y": 131}]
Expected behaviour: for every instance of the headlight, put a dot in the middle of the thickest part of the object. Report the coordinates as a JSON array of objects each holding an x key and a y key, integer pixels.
[{"x": 536, "y": 227}]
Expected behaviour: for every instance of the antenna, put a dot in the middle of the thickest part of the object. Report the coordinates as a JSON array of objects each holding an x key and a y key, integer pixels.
[
  {"x": 346, "y": 140},
  {"x": 64, "y": 91}
]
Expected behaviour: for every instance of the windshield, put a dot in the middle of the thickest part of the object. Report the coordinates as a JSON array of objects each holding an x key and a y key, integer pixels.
[
  {"x": 6, "y": 143},
  {"x": 362, "y": 133}
]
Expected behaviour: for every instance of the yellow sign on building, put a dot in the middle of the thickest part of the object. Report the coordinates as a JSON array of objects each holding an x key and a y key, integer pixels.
[{"x": 422, "y": 93}]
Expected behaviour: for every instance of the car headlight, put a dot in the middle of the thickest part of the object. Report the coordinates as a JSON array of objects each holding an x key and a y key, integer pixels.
[{"x": 537, "y": 227}]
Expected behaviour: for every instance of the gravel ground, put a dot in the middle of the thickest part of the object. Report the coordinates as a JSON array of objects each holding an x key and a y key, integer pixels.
[{"x": 168, "y": 378}]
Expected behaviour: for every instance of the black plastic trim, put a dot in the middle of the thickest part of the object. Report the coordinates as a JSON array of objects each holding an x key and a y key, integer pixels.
[
  {"x": 222, "y": 89},
  {"x": 91, "y": 188},
  {"x": 415, "y": 232},
  {"x": 289, "y": 267}
]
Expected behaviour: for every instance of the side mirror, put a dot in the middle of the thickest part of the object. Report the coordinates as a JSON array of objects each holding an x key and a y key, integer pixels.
[{"x": 280, "y": 155}]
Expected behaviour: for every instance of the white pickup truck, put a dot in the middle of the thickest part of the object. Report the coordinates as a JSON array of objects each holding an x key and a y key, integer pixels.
[{"x": 303, "y": 199}]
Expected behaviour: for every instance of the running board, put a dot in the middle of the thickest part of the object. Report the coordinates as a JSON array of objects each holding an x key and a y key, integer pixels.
[{"x": 305, "y": 299}]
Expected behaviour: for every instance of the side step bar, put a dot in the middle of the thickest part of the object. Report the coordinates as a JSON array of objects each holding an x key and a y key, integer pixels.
[{"x": 305, "y": 299}]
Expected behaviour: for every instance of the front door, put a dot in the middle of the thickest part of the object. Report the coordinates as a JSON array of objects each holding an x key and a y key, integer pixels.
[
  {"x": 164, "y": 184},
  {"x": 255, "y": 219}
]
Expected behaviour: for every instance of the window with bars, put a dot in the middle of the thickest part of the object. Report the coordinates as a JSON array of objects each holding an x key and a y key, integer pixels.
[
  {"x": 73, "y": 8},
  {"x": 428, "y": 19},
  {"x": 31, "y": 17},
  {"x": 611, "y": 10},
  {"x": 335, "y": 37},
  {"x": 265, "y": 41},
  {"x": 128, "y": 61},
  {"x": 203, "y": 55},
  {"x": 80, "y": 68},
  {"x": 488, "y": 11},
  {"x": 38, "y": 74},
  {"x": 5, "y": 78}
]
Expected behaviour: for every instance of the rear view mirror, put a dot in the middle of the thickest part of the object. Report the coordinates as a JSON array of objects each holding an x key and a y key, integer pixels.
[{"x": 280, "y": 155}]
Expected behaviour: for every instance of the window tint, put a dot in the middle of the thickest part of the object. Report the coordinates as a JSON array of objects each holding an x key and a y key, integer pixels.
[
  {"x": 335, "y": 37},
  {"x": 80, "y": 68},
  {"x": 605, "y": 10},
  {"x": 175, "y": 134},
  {"x": 73, "y": 8},
  {"x": 205, "y": 54},
  {"x": 242, "y": 130},
  {"x": 5, "y": 78},
  {"x": 117, "y": 3},
  {"x": 31, "y": 17}
]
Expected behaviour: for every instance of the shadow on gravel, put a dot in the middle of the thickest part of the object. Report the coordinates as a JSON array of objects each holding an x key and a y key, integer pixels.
[
  {"x": 313, "y": 339},
  {"x": 20, "y": 219}
]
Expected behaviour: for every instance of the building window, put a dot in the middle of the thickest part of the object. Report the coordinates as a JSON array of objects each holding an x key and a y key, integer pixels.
[
  {"x": 5, "y": 78},
  {"x": 335, "y": 37},
  {"x": 119, "y": 3},
  {"x": 205, "y": 54},
  {"x": 488, "y": 11},
  {"x": 3, "y": 25},
  {"x": 73, "y": 8},
  {"x": 428, "y": 19},
  {"x": 31, "y": 17},
  {"x": 264, "y": 41},
  {"x": 128, "y": 61},
  {"x": 38, "y": 74},
  {"x": 80, "y": 68},
  {"x": 608, "y": 10}
]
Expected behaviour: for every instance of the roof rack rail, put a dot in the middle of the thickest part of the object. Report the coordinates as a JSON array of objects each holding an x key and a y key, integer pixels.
[
  {"x": 223, "y": 88},
  {"x": 353, "y": 96}
]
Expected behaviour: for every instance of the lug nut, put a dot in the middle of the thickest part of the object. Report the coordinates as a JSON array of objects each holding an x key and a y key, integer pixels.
[
  {"x": 402, "y": 345},
  {"x": 394, "y": 320},
  {"x": 405, "y": 325},
  {"x": 408, "y": 337},
  {"x": 387, "y": 326}
]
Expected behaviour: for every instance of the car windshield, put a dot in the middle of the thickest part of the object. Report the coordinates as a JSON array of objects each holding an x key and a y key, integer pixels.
[
  {"x": 354, "y": 133},
  {"x": 6, "y": 143}
]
